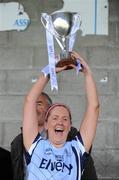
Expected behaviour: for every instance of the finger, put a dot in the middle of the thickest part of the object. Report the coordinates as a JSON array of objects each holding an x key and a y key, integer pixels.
[
  {"x": 58, "y": 69},
  {"x": 72, "y": 65},
  {"x": 74, "y": 54}
]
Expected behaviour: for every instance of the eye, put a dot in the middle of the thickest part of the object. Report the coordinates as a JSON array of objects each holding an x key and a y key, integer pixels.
[
  {"x": 39, "y": 103},
  {"x": 65, "y": 119},
  {"x": 54, "y": 118}
]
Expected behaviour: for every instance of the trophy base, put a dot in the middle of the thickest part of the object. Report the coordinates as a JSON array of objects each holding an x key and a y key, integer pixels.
[{"x": 66, "y": 62}]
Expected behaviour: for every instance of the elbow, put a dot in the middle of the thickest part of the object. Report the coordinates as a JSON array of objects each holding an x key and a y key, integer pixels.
[
  {"x": 96, "y": 104},
  {"x": 29, "y": 100},
  {"x": 97, "y": 107}
]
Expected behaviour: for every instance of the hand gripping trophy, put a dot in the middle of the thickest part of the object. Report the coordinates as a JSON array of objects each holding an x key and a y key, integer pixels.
[{"x": 63, "y": 27}]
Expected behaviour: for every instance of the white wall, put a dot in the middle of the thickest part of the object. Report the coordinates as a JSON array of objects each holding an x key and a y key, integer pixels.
[{"x": 94, "y": 15}]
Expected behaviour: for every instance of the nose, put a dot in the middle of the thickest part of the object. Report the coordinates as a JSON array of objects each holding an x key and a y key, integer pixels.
[{"x": 60, "y": 121}]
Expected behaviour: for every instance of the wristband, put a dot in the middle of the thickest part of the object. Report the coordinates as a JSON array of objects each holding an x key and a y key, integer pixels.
[
  {"x": 79, "y": 66},
  {"x": 45, "y": 71}
]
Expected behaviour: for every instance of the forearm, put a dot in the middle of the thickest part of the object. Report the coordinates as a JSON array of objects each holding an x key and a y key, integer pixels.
[
  {"x": 37, "y": 88},
  {"x": 91, "y": 91}
]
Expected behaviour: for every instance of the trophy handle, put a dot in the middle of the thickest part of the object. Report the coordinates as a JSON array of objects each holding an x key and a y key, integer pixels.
[
  {"x": 43, "y": 19},
  {"x": 47, "y": 23},
  {"x": 78, "y": 21},
  {"x": 79, "y": 17}
]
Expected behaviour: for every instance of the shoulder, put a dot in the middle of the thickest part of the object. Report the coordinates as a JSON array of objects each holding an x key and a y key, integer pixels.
[
  {"x": 35, "y": 143},
  {"x": 18, "y": 139},
  {"x": 37, "y": 147},
  {"x": 17, "y": 146}
]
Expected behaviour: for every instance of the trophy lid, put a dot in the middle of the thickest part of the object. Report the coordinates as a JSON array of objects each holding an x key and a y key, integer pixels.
[{"x": 62, "y": 22}]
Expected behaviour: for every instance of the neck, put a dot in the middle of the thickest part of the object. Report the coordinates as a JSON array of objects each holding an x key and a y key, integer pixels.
[
  {"x": 56, "y": 144},
  {"x": 40, "y": 128}
]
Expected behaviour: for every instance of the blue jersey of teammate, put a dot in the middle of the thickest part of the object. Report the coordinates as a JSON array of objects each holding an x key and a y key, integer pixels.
[{"x": 45, "y": 162}]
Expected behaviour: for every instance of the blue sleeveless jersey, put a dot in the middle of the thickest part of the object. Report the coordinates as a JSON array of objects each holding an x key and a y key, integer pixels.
[{"x": 45, "y": 162}]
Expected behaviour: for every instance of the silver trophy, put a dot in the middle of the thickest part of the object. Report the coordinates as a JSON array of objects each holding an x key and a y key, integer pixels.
[{"x": 63, "y": 27}]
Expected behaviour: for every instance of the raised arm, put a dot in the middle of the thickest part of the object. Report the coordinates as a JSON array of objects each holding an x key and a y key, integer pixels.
[
  {"x": 30, "y": 122},
  {"x": 90, "y": 119}
]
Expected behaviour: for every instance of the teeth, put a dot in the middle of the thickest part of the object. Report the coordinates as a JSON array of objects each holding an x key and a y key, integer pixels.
[{"x": 59, "y": 129}]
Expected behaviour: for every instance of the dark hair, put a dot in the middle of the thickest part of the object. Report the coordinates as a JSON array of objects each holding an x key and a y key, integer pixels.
[{"x": 49, "y": 100}]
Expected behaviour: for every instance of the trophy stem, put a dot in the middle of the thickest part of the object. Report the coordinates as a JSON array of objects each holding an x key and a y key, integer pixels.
[
  {"x": 65, "y": 51},
  {"x": 64, "y": 45},
  {"x": 64, "y": 54}
]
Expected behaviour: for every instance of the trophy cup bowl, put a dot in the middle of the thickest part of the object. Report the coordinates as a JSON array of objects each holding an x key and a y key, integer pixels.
[{"x": 62, "y": 23}]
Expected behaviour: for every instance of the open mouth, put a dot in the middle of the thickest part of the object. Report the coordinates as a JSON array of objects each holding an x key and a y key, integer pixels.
[{"x": 59, "y": 131}]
